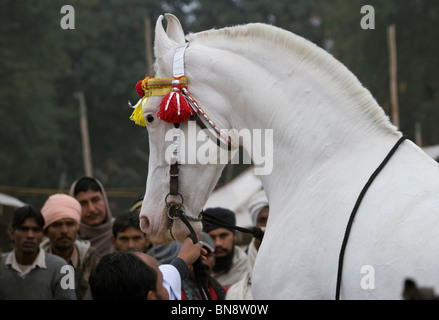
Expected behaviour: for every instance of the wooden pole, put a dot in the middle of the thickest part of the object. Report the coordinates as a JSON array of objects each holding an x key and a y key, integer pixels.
[
  {"x": 148, "y": 46},
  {"x": 393, "y": 74},
  {"x": 418, "y": 133},
  {"x": 83, "y": 123}
]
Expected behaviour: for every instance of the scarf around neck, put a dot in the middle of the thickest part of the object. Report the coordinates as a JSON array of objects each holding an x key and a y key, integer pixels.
[{"x": 99, "y": 236}]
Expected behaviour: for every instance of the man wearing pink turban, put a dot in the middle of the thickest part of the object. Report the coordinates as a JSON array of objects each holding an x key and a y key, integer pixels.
[{"x": 62, "y": 216}]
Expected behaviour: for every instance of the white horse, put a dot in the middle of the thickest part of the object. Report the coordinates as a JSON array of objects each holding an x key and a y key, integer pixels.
[{"x": 329, "y": 136}]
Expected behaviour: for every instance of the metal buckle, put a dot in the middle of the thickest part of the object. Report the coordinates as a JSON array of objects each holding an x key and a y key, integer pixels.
[
  {"x": 174, "y": 207},
  {"x": 173, "y": 202},
  {"x": 174, "y": 211}
]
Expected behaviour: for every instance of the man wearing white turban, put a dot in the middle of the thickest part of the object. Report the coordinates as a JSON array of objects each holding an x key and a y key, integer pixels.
[{"x": 258, "y": 208}]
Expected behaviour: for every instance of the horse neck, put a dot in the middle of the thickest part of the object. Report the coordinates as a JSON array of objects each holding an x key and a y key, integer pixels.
[
  {"x": 323, "y": 119},
  {"x": 318, "y": 125}
]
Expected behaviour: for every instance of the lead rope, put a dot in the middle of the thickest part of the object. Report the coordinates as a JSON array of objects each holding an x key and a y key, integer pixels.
[
  {"x": 355, "y": 209},
  {"x": 200, "y": 269},
  {"x": 255, "y": 231}
]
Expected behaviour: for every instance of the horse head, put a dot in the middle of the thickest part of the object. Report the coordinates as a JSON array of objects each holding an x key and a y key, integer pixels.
[{"x": 176, "y": 141}]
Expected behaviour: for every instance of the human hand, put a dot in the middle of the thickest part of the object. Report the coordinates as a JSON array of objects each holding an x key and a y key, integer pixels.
[{"x": 190, "y": 251}]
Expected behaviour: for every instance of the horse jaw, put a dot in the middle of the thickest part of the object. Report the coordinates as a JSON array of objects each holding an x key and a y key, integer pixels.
[
  {"x": 154, "y": 219},
  {"x": 153, "y": 216}
]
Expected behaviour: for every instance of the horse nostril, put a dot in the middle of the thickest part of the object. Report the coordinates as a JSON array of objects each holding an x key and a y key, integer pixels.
[{"x": 144, "y": 224}]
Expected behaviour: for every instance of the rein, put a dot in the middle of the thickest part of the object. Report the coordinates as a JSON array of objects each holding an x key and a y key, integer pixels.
[
  {"x": 255, "y": 231},
  {"x": 355, "y": 209},
  {"x": 202, "y": 276}
]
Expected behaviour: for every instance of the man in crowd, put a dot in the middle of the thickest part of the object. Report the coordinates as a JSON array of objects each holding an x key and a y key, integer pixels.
[
  {"x": 96, "y": 218},
  {"x": 231, "y": 262},
  {"x": 145, "y": 279},
  {"x": 164, "y": 253},
  {"x": 189, "y": 286},
  {"x": 127, "y": 235},
  {"x": 258, "y": 208},
  {"x": 27, "y": 272},
  {"x": 62, "y": 214}
]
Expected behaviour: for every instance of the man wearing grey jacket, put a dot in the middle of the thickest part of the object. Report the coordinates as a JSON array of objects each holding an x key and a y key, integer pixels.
[{"x": 27, "y": 272}]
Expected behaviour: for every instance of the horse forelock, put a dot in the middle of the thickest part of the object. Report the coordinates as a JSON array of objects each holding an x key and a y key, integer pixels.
[{"x": 275, "y": 41}]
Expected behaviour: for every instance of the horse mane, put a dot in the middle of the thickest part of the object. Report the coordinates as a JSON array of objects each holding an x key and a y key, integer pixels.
[{"x": 274, "y": 39}]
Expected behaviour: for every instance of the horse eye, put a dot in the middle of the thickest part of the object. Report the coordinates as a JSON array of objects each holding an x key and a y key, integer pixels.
[{"x": 150, "y": 118}]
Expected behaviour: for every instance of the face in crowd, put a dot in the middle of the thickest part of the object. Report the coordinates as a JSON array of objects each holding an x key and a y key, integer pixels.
[
  {"x": 62, "y": 233},
  {"x": 27, "y": 237},
  {"x": 130, "y": 239},
  {"x": 93, "y": 207},
  {"x": 224, "y": 241}
]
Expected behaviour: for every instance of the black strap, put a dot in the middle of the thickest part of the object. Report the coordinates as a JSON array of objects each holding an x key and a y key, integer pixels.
[
  {"x": 255, "y": 231},
  {"x": 173, "y": 173},
  {"x": 354, "y": 211},
  {"x": 173, "y": 179},
  {"x": 200, "y": 269},
  {"x": 201, "y": 124}
]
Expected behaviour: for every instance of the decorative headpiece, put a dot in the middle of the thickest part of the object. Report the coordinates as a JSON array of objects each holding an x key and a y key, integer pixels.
[
  {"x": 174, "y": 107},
  {"x": 177, "y": 104}
]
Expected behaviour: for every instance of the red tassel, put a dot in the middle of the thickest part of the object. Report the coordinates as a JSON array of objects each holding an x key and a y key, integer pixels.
[
  {"x": 174, "y": 107},
  {"x": 142, "y": 85},
  {"x": 139, "y": 89}
]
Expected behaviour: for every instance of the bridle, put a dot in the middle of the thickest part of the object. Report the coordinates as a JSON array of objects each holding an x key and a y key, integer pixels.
[{"x": 176, "y": 88}]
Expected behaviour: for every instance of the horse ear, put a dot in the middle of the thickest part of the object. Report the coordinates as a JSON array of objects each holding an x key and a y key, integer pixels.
[
  {"x": 174, "y": 29},
  {"x": 166, "y": 42}
]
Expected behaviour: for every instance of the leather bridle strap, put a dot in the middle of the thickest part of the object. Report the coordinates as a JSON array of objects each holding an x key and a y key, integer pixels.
[
  {"x": 173, "y": 181},
  {"x": 256, "y": 232},
  {"x": 354, "y": 211},
  {"x": 173, "y": 173},
  {"x": 175, "y": 212},
  {"x": 200, "y": 269},
  {"x": 195, "y": 117}
]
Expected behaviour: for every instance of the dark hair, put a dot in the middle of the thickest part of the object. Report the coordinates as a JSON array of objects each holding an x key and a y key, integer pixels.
[
  {"x": 85, "y": 184},
  {"x": 139, "y": 198},
  {"x": 224, "y": 215},
  {"x": 25, "y": 212},
  {"x": 122, "y": 275},
  {"x": 125, "y": 220}
]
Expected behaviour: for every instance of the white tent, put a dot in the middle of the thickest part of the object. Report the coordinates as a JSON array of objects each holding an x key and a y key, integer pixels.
[
  {"x": 7, "y": 200},
  {"x": 236, "y": 195},
  {"x": 432, "y": 151},
  {"x": 7, "y": 207}
]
